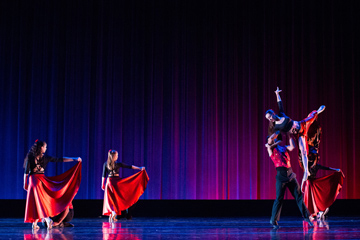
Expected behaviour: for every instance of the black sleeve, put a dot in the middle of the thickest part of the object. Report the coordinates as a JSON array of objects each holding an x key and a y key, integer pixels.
[
  {"x": 124, "y": 165},
  {"x": 27, "y": 167},
  {"x": 323, "y": 167},
  {"x": 281, "y": 107},
  {"x": 53, "y": 159},
  {"x": 105, "y": 170}
]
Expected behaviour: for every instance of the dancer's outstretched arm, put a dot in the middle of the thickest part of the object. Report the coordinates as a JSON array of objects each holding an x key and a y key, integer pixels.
[
  {"x": 70, "y": 159},
  {"x": 138, "y": 168}
]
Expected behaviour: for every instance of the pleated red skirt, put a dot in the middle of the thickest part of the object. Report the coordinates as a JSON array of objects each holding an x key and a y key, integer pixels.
[
  {"x": 122, "y": 193},
  {"x": 320, "y": 193},
  {"x": 49, "y": 196}
]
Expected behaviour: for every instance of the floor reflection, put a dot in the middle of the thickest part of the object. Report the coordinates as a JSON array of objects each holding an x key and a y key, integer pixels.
[
  {"x": 114, "y": 231},
  {"x": 187, "y": 228},
  {"x": 48, "y": 234}
]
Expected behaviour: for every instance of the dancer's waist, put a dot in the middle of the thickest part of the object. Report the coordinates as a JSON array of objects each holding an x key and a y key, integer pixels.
[
  {"x": 113, "y": 175},
  {"x": 284, "y": 169}
]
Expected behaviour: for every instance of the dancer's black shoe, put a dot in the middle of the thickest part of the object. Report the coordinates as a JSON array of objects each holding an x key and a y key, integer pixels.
[
  {"x": 274, "y": 224},
  {"x": 309, "y": 222}
]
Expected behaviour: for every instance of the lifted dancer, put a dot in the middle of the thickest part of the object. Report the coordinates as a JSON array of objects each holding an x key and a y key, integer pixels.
[{"x": 281, "y": 122}]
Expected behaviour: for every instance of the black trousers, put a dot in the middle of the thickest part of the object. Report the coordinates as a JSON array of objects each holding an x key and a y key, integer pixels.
[{"x": 286, "y": 178}]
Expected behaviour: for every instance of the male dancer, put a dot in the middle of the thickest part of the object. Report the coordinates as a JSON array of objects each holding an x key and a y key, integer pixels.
[{"x": 285, "y": 178}]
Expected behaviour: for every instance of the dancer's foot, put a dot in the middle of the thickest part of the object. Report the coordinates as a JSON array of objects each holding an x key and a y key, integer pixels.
[
  {"x": 112, "y": 217},
  {"x": 321, "y": 109},
  {"x": 35, "y": 226},
  {"x": 274, "y": 224},
  {"x": 309, "y": 222},
  {"x": 49, "y": 222}
]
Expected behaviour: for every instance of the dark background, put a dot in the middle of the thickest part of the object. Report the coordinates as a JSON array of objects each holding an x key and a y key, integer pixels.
[{"x": 180, "y": 87}]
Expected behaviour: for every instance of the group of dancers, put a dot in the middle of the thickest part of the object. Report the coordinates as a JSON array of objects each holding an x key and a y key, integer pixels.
[
  {"x": 319, "y": 193},
  {"x": 49, "y": 199}
]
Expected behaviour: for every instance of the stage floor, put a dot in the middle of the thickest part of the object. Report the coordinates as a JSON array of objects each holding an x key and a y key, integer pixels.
[{"x": 187, "y": 228}]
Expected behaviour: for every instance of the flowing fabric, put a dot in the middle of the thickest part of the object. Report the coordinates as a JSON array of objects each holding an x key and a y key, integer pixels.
[
  {"x": 49, "y": 196},
  {"x": 320, "y": 193},
  {"x": 122, "y": 193}
]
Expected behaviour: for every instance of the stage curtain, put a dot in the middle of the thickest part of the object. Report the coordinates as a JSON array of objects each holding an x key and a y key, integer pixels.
[{"x": 180, "y": 87}]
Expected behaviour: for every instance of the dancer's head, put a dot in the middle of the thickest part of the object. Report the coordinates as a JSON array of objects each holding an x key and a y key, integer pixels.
[
  {"x": 270, "y": 115},
  {"x": 37, "y": 150},
  {"x": 112, "y": 157}
]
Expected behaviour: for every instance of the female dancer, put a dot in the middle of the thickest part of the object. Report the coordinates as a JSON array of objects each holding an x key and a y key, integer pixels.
[
  {"x": 320, "y": 193},
  {"x": 285, "y": 178},
  {"x": 281, "y": 122},
  {"x": 48, "y": 196},
  {"x": 120, "y": 193}
]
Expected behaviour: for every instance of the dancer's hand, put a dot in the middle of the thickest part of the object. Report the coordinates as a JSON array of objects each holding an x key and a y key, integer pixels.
[
  {"x": 79, "y": 159},
  {"x": 302, "y": 186},
  {"x": 142, "y": 168},
  {"x": 103, "y": 188},
  {"x": 277, "y": 91}
]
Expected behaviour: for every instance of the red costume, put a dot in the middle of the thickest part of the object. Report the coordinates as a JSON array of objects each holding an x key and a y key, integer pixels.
[
  {"x": 122, "y": 193},
  {"x": 321, "y": 193},
  {"x": 49, "y": 196}
]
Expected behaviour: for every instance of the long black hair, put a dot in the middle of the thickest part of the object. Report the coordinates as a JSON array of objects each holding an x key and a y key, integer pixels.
[
  {"x": 271, "y": 128},
  {"x": 34, "y": 151}
]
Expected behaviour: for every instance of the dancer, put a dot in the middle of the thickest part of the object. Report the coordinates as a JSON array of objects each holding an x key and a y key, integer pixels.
[
  {"x": 120, "y": 193},
  {"x": 320, "y": 193},
  {"x": 65, "y": 222},
  {"x": 299, "y": 129},
  {"x": 48, "y": 196},
  {"x": 285, "y": 178}
]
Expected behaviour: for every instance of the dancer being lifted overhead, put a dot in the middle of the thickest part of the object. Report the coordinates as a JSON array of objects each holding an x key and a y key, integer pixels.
[{"x": 299, "y": 129}]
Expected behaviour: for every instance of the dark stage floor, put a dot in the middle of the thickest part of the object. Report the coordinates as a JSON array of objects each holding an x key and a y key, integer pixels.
[{"x": 187, "y": 228}]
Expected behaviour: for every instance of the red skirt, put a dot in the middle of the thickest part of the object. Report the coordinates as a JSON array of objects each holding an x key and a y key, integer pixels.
[
  {"x": 122, "y": 193},
  {"x": 49, "y": 196},
  {"x": 320, "y": 193}
]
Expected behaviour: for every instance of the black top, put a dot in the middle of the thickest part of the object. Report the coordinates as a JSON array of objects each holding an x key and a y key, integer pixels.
[
  {"x": 314, "y": 169},
  {"x": 115, "y": 171},
  {"x": 287, "y": 124},
  {"x": 39, "y": 167}
]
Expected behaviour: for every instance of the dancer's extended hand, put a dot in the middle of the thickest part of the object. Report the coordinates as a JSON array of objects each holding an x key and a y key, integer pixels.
[{"x": 277, "y": 91}]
